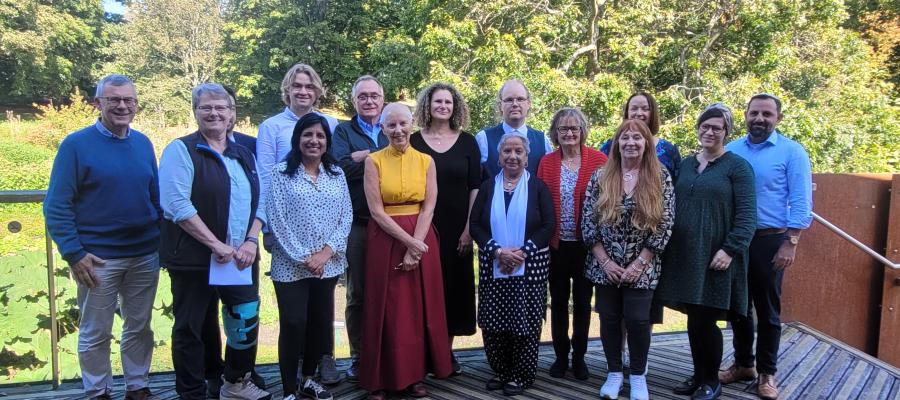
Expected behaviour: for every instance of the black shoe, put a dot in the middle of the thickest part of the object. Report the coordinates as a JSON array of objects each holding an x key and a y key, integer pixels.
[
  {"x": 558, "y": 369},
  {"x": 579, "y": 369},
  {"x": 707, "y": 393},
  {"x": 455, "y": 365},
  {"x": 104, "y": 396},
  {"x": 494, "y": 384},
  {"x": 212, "y": 388},
  {"x": 257, "y": 379},
  {"x": 686, "y": 388},
  {"x": 512, "y": 389}
]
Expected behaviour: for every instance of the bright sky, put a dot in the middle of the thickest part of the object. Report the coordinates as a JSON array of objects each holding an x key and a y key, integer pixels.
[{"x": 113, "y": 7}]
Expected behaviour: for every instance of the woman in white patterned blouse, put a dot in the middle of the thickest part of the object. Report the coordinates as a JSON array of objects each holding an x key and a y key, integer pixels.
[{"x": 309, "y": 212}]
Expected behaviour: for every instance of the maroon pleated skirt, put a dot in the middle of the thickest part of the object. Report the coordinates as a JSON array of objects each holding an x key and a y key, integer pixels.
[{"x": 405, "y": 326}]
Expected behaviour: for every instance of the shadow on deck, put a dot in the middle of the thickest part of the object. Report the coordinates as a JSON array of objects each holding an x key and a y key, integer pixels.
[{"x": 812, "y": 366}]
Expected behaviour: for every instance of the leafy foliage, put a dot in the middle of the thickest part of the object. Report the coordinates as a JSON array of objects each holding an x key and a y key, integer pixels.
[{"x": 47, "y": 48}]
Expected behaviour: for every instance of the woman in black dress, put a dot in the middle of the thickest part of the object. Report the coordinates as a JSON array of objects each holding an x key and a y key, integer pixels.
[{"x": 441, "y": 113}]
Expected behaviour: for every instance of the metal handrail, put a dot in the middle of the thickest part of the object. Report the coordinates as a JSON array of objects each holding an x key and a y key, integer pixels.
[
  {"x": 37, "y": 196},
  {"x": 840, "y": 232}
]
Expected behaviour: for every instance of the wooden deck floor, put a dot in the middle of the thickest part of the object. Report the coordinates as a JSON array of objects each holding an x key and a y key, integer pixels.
[{"x": 812, "y": 366}]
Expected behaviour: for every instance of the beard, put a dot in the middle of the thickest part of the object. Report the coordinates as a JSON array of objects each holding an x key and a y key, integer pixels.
[{"x": 759, "y": 130}]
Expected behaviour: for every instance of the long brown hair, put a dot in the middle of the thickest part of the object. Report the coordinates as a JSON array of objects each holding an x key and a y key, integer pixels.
[{"x": 648, "y": 192}]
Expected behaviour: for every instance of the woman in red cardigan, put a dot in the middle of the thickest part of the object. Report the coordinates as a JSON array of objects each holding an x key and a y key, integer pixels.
[{"x": 566, "y": 172}]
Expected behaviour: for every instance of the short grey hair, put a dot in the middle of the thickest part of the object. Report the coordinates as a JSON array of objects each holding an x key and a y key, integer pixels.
[
  {"x": 114, "y": 80},
  {"x": 362, "y": 79},
  {"x": 507, "y": 136},
  {"x": 213, "y": 89}
]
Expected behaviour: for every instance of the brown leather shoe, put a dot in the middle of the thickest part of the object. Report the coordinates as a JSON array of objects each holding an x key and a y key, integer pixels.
[
  {"x": 140, "y": 394},
  {"x": 736, "y": 373},
  {"x": 768, "y": 387},
  {"x": 417, "y": 390}
]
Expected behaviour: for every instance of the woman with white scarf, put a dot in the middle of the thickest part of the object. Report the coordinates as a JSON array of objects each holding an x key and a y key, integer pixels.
[{"x": 512, "y": 221}]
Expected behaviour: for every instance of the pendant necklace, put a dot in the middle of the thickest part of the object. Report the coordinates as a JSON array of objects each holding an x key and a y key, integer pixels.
[{"x": 629, "y": 175}]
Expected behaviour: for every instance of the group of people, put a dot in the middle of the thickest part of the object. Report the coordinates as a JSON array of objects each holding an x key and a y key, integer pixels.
[{"x": 397, "y": 213}]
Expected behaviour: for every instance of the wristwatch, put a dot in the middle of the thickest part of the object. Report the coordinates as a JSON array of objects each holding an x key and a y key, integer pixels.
[
  {"x": 794, "y": 240},
  {"x": 252, "y": 239}
]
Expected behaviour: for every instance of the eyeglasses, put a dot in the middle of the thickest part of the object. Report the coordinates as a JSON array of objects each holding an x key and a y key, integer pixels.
[
  {"x": 715, "y": 129},
  {"x": 115, "y": 100},
  {"x": 564, "y": 129},
  {"x": 366, "y": 97},
  {"x": 210, "y": 109},
  {"x": 511, "y": 100}
]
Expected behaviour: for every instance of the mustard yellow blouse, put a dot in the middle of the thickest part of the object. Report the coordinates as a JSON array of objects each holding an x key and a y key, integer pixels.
[{"x": 402, "y": 179}]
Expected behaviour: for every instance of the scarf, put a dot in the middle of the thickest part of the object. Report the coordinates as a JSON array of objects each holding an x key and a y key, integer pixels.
[{"x": 508, "y": 226}]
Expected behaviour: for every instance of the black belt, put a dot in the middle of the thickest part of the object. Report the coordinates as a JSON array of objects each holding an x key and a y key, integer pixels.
[{"x": 769, "y": 231}]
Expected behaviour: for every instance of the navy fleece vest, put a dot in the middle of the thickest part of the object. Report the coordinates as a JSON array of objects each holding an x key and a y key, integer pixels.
[
  {"x": 493, "y": 135},
  {"x": 210, "y": 193}
]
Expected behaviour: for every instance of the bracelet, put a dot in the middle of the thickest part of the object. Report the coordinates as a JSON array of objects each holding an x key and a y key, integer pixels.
[
  {"x": 643, "y": 261},
  {"x": 603, "y": 264},
  {"x": 252, "y": 239}
]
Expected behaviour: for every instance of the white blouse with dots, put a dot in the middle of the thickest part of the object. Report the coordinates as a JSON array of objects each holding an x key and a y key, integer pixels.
[{"x": 305, "y": 215}]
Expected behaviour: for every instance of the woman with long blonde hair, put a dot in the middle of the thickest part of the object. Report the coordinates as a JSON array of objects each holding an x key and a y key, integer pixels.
[{"x": 626, "y": 223}]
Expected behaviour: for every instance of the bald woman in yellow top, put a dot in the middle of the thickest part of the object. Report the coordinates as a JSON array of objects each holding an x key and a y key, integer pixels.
[{"x": 405, "y": 328}]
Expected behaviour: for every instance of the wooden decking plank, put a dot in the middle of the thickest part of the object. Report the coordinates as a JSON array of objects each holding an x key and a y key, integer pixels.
[
  {"x": 805, "y": 367},
  {"x": 823, "y": 384},
  {"x": 812, "y": 366},
  {"x": 851, "y": 385}
]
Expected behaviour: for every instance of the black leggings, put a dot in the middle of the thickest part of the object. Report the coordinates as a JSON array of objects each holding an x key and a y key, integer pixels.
[
  {"x": 706, "y": 342},
  {"x": 632, "y": 305},
  {"x": 306, "y": 322}
]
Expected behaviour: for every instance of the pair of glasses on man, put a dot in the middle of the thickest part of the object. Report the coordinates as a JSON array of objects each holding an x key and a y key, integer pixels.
[
  {"x": 210, "y": 109},
  {"x": 115, "y": 100}
]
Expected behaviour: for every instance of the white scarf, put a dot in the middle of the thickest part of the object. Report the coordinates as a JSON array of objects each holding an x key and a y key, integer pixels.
[{"x": 508, "y": 227}]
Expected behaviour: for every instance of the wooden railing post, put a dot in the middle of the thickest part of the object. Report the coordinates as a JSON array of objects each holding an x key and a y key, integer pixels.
[{"x": 889, "y": 330}]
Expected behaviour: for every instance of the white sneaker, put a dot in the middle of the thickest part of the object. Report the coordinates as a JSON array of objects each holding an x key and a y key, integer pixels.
[
  {"x": 313, "y": 390},
  {"x": 612, "y": 386},
  {"x": 638, "y": 387},
  {"x": 243, "y": 389}
]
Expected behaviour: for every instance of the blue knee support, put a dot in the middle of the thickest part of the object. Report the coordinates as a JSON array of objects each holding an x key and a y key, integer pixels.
[{"x": 240, "y": 322}]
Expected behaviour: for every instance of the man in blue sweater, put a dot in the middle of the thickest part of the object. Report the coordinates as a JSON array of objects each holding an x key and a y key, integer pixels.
[{"x": 102, "y": 210}]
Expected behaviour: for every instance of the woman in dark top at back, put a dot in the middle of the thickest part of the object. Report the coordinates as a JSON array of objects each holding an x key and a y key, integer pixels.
[
  {"x": 642, "y": 106},
  {"x": 441, "y": 113}
]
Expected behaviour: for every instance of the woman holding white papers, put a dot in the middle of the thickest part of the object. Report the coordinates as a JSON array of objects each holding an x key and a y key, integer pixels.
[
  {"x": 512, "y": 221},
  {"x": 209, "y": 193},
  {"x": 309, "y": 212},
  {"x": 626, "y": 222}
]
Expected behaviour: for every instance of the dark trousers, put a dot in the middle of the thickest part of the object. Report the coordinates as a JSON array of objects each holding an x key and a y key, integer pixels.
[
  {"x": 513, "y": 357},
  {"x": 567, "y": 277},
  {"x": 306, "y": 323},
  {"x": 632, "y": 305},
  {"x": 213, "y": 363},
  {"x": 764, "y": 287},
  {"x": 191, "y": 298},
  {"x": 356, "y": 280},
  {"x": 705, "y": 338}
]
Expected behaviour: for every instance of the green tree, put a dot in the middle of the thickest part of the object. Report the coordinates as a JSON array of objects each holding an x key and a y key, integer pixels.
[{"x": 48, "y": 48}]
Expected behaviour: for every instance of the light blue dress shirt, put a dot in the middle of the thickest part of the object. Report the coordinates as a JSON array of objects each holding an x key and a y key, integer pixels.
[
  {"x": 106, "y": 132},
  {"x": 783, "y": 180},
  {"x": 176, "y": 176},
  {"x": 371, "y": 130}
]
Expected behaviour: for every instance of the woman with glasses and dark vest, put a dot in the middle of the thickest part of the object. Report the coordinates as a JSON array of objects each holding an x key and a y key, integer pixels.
[{"x": 209, "y": 193}]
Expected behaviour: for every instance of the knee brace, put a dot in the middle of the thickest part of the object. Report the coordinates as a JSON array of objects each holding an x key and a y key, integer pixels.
[{"x": 241, "y": 321}]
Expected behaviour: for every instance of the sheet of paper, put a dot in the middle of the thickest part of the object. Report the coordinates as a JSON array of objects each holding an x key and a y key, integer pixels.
[
  {"x": 519, "y": 271},
  {"x": 228, "y": 273}
]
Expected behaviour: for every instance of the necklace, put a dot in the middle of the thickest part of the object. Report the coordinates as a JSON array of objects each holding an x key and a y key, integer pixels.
[
  {"x": 629, "y": 175},
  {"x": 572, "y": 163},
  {"x": 509, "y": 184}
]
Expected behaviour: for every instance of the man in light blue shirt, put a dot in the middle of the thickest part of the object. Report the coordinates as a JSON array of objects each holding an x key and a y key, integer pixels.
[{"x": 784, "y": 202}]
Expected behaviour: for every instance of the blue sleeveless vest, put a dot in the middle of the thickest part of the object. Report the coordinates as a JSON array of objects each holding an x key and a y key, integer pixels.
[{"x": 536, "y": 152}]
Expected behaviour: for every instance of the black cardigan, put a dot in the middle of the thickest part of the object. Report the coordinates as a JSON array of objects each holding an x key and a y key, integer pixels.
[{"x": 540, "y": 218}]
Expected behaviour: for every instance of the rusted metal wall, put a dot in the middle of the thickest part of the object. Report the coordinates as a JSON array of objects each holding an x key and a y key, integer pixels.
[
  {"x": 889, "y": 334},
  {"x": 833, "y": 286}
]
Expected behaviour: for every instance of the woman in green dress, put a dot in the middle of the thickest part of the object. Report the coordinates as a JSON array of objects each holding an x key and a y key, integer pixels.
[{"x": 705, "y": 264}]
